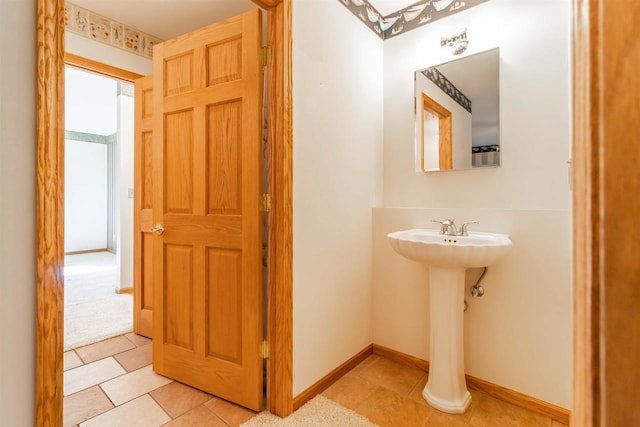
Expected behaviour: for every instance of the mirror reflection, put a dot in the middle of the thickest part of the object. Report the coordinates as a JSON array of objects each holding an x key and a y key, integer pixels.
[{"x": 457, "y": 113}]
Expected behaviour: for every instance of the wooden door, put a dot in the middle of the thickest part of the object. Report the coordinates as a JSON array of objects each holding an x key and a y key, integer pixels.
[
  {"x": 207, "y": 273},
  {"x": 143, "y": 214}
]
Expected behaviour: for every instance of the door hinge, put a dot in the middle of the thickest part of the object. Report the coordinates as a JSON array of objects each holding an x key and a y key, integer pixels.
[
  {"x": 264, "y": 350},
  {"x": 265, "y": 202},
  {"x": 265, "y": 56}
]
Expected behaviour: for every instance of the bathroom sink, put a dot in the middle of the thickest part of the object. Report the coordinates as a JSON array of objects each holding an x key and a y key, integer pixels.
[
  {"x": 430, "y": 247},
  {"x": 448, "y": 257}
]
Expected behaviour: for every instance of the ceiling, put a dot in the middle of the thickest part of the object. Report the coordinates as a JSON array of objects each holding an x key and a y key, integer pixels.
[
  {"x": 166, "y": 18},
  {"x": 170, "y": 18}
]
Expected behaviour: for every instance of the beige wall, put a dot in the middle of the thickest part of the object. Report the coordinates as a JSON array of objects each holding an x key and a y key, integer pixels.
[
  {"x": 125, "y": 180},
  {"x": 519, "y": 334},
  {"x": 17, "y": 192},
  {"x": 337, "y": 91},
  {"x": 17, "y": 211},
  {"x": 87, "y": 48},
  {"x": 534, "y": 93}
]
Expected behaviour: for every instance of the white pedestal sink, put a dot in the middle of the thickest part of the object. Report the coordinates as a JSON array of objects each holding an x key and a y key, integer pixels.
[{"x": 448, "y": 257}]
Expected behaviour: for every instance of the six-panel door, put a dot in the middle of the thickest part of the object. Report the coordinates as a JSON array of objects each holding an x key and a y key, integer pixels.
[{"x": 207, "y": 265}]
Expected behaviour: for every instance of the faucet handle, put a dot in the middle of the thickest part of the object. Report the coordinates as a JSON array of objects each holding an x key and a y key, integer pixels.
[
  {"x": 447, "y": 221},
  {"x": 444, "y": 225},
  {"x": 447, "y": 226},
  {"x": 463, "y": 228}
]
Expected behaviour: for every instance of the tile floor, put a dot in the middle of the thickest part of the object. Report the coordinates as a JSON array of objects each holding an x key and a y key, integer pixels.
[
  {"x": 111, "y": 383},
  {"x": 390, "y": 394}
]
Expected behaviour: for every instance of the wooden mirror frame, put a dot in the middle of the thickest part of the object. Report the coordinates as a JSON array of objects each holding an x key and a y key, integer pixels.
[{"x": 50, "y": 210}]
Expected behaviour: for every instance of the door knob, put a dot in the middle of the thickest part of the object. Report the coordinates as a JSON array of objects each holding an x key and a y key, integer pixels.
[{"x": 158, "y": 229}]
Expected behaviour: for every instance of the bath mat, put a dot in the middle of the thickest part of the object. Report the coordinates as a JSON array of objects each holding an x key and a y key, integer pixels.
[{"x": 318, "y": 412}]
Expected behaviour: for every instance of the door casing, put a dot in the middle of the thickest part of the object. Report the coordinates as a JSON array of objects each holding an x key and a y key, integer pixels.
[
  {"x": 50, "y": 210},
  {"x": 606, "y": 178}
]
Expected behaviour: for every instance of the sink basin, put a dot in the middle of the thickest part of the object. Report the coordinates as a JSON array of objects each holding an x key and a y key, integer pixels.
[
  {"x": 436, "y": 250},
  {"x": 448, "y": 257}
]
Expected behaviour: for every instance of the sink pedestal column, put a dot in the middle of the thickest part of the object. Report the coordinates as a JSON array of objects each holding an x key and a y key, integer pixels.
[{"x": 446, "y": 388}]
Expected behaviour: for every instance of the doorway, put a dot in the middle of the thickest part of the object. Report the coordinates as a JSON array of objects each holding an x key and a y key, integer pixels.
[
  {"x": 50, "y": 206},
  {"x": 98, "y": 207}
]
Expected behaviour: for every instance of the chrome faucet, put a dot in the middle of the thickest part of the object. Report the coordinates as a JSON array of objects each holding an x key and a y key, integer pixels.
[{"x": 448, "y": 227}]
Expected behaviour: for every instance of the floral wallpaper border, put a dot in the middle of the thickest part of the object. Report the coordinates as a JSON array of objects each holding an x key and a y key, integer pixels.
[
  {"x": 440, "y": 80},
  {"x": 409, "y": 18},
  {"x": 99, "y": 28}
]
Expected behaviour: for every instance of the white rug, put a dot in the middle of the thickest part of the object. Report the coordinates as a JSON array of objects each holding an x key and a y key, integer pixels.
[
  {"x": 93, "y": 311},
  {"x": 318, "y": 412}
]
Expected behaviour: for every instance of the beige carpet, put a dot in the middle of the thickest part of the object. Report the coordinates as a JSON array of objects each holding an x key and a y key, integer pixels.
[
  {"x": 318, "y": 412},
  {"x": 93, "y": 311},
  {"x": 96, "y": 320}
]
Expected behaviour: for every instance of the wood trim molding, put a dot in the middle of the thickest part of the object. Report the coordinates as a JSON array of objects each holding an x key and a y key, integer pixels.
[
  {"x": 49, "y": 212},
  {"x": 519, "y": 399},
  {"x": 280, "y": 184},
  {"x": 402, "y": 358},
  {"x": 607, "y": 235},
  {"x": 88, "y": 251},
  {"x": 100, "y": 68},
  {"x": 501, "y": 393},
  {"x": 585, "y": 168},
  {"x": 333, "y": 376}
]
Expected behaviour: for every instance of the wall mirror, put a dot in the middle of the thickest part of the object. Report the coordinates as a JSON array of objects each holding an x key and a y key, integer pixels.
[{"x": 457, "y": 113}]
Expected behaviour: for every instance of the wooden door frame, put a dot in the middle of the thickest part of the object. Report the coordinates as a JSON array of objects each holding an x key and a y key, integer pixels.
[
  {"x": 50, "y": 210},
  {"x": 445, "y": 141},
  {"x": 106, "y": 70},
  {"x": 585, "y": 270},
  {"x": 606, "y": 168}
]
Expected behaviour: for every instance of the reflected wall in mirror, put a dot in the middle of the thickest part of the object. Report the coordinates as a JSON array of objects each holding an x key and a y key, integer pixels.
[{"x": 457, "y": 113}]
